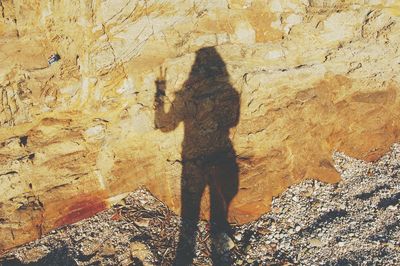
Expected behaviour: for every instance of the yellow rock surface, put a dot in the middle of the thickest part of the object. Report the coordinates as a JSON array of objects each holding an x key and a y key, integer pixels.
[{"x": 313, "y": 77}]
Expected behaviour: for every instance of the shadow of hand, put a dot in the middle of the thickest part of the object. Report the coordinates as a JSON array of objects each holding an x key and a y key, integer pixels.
[{"x": 161, "y": 83}]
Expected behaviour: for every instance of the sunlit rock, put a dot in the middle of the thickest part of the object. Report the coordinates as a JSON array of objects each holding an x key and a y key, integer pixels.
[{"x": 313, "y": 77}]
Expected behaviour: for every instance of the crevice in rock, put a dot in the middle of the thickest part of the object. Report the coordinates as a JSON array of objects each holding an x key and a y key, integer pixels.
[{"x": 2, "y": 9}]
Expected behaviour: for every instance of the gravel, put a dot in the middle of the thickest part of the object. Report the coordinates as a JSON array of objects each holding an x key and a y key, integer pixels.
[{"x": 353, "y": 222}]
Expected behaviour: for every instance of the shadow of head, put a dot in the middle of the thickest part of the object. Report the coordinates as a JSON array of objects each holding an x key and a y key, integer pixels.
[{"x": 208, "y": 65}]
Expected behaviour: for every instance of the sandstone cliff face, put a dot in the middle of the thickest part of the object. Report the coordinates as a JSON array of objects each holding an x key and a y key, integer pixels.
[{"x": 313, "y": 77}]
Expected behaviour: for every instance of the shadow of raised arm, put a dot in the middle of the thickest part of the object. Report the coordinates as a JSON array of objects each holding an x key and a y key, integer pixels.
[{"x": 166, "y": 121}]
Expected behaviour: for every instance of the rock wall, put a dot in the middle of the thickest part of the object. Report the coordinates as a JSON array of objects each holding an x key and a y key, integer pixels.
[{"x": 313, "y": 77}]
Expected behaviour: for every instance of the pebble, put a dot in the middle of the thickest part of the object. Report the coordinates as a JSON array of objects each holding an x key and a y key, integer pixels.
[{"x": 314, "y": 242}]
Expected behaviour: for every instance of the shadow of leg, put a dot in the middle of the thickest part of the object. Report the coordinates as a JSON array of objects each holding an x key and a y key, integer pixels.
[
  {"x": 185, "y": 251},
  {"x": 223, "y": 187},
  {"x": 219, "y": 229},
  {"x": 192, "y": 187}
]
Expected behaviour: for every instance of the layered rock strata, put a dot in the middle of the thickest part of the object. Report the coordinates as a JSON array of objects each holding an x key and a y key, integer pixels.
[{"x": 312, "y": 77}]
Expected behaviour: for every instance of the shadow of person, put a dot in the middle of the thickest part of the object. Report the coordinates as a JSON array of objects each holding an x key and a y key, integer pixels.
[{"x": 208, "y": 106}]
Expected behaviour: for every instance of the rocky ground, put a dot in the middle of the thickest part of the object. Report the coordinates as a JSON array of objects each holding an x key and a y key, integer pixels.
[{"x": 354, "y": 222}]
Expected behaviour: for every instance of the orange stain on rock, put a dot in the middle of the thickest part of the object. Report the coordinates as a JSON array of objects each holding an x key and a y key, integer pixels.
[{"x": 79, "y": 208}]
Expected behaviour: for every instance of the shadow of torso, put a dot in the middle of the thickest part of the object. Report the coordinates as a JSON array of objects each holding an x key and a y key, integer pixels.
[{"x": 208, "y": 114}]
